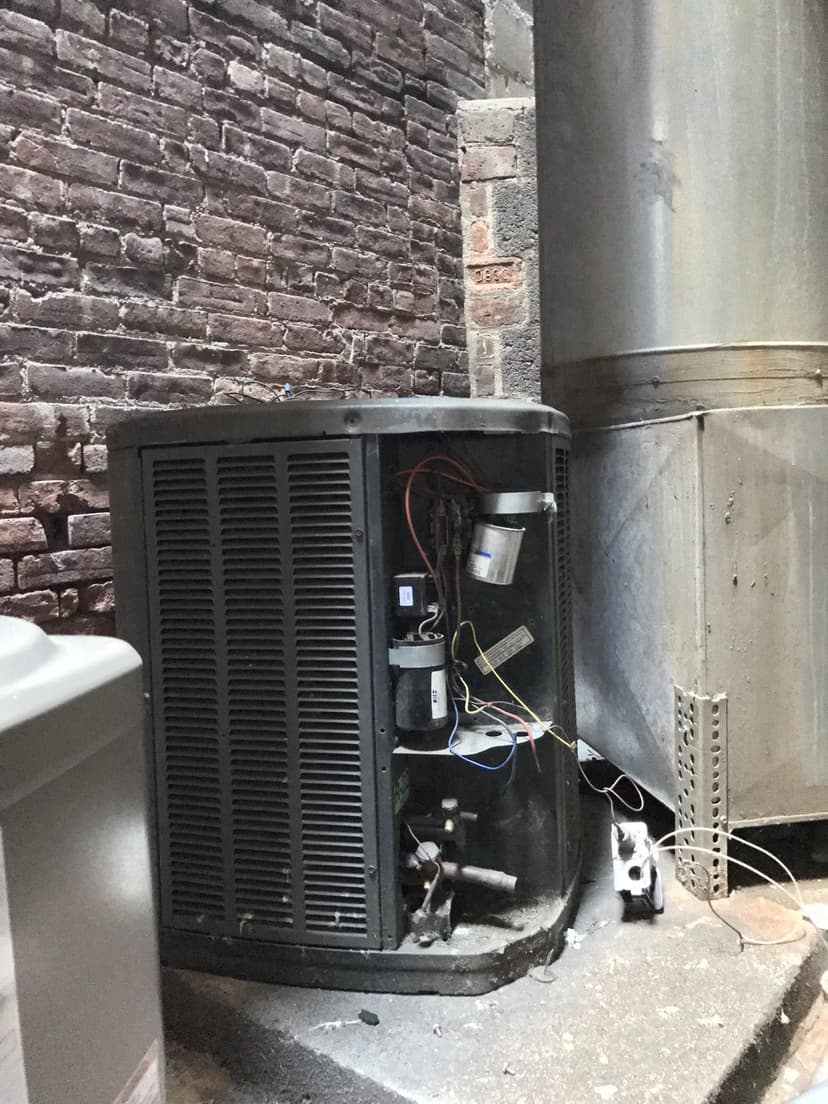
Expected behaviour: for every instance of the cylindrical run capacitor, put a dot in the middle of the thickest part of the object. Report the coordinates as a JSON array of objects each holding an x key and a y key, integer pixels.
[
  {"x": 421, "y": 703},
  {"x": 494, "y": 552}
]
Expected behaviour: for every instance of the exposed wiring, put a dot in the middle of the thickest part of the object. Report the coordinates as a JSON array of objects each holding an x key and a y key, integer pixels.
[
  {"x": 610, "y": 792},
  {"x": 466, "y": 477},
  {"x": 795, "y": 934},
  {"x": 722, "y": 919},
  {"x": 546, "y": 727},
  {"x": 474, "y": 762},
  {"x": 736, "y": 839}
]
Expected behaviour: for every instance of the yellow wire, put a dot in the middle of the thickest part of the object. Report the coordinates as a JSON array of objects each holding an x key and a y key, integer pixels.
[{"x": 569, "y": 745}]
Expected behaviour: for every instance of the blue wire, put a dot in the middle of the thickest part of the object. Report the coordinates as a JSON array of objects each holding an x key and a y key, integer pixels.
[{"x": 474, "y": 762}]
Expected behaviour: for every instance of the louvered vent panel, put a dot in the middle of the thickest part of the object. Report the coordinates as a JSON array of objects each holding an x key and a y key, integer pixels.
[
  {"x": 190, "y": 755},
  {"x": 564, "y": 582},
  {"x": 324, "y": 594},
  {"x": 254, "y": 626}
]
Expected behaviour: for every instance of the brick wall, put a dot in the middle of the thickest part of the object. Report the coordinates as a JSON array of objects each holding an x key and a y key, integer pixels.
[
  {"x": 500, "y": 230},
  {"x": 201, "y": 202}
]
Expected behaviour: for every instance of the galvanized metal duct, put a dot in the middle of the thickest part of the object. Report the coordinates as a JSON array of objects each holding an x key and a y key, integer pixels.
[{"x": 683, "y": 172}]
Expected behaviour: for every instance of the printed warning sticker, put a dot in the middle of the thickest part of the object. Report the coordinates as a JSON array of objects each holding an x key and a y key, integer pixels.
[{"x": 506, "y": 648}]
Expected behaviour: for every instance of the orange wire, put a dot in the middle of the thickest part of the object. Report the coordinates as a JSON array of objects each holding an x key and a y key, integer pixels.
[{"x": 413, "y": 473}]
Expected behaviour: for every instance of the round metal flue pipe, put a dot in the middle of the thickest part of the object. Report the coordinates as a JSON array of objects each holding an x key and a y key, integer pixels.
[{"x": 683, "y": 192}]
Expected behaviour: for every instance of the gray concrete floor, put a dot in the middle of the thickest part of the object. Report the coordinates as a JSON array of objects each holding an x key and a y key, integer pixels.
[{"x": 666, "y": 1009}]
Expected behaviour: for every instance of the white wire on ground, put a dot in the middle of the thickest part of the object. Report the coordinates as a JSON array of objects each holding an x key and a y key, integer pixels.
[
  {"x": 795, "y": 934},
  {"x": 736, "y": 839}
]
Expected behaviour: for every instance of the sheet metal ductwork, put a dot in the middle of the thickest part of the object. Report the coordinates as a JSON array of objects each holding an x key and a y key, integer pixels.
[{"x": 683, "y": 182}]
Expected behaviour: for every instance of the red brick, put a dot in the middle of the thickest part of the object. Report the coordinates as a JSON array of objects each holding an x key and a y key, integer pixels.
[
  {"x": 296, "y": 308},
  {"x": 37, "y": 606},
  {"x": 68, "y": 601},
  {"x": 88, "y": 530},
  {"x": 82, "y": 15},
  {"x": 16, "y": 459},
  {"x": 169, "y": 389},
  {"x": 158, "y": 184},
  {"x": 52, "y": 382},
  {"x": 32, "y": 189},
  {"x": 29, "y": 108},
  {"x": 94, "y": 458},
  {"x": 153, "y": 317},
  {"x": 174, "y": 86},
  {"x": 497, "y": 308},
  {"x": 231, "y": 234},
  {"x": 14, "y": 225},
  {"x": 25, "y": 423},
  {"x": 74, "y": 565},
  {"x": 220, "y": 297},
  {"x": 69, "y": 309},
  {"x": 496, "y": 273},
  {"x": 21, "y": 535},
  {"x": 19, "y": 32},
  {"x": 97, "y": 598},
  {"x": 242, "y": 330},
  {"x": 142, "y": 112},
  {"x": 293, "y": 132},
  {"x": 128, "y": 31},
  {"x": 58, "y": 234},
  {"x": 6, "y": 576},
  {"x": 113, "y": 136},
  {"x": 114, "y": 206},
  {"x": 54, "y": 496},
  {"x": 26, "y": 266},
  {"x": 83, "y": 53}
]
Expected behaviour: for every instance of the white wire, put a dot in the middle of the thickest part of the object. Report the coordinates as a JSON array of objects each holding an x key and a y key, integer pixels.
[
  {"x": 737, "y": 839},
  {"x": 792, "y": 938}
]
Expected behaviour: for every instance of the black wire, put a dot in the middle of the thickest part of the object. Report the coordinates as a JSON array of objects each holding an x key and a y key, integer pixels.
[{"x": 718, "y": 915}]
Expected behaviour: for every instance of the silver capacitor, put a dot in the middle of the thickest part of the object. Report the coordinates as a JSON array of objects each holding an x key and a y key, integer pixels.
[{"x": 494, "y": 552}]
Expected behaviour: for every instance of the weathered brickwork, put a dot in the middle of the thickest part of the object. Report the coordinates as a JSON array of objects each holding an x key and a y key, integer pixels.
[
  {"x": 201, "y": 202},
  {"x": 500, "y": 229}
]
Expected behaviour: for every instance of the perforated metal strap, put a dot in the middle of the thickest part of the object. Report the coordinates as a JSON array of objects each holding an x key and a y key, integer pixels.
[{"x": 701, "y": 801}]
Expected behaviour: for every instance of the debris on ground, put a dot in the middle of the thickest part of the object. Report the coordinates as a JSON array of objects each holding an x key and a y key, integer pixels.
[
  {"x": 508, "y": 1071},
  {"x": 370, "y": 1018},
  {"x": 573, "y": 938},
  {"x": 333, "y": 1025},
  {"x": 437, "y": 1030}
]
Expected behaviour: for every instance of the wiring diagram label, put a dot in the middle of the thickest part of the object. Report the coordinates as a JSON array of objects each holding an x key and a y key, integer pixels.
[
  {"x": 504, "y": 649},
  {"x": 406, "y": 596}
]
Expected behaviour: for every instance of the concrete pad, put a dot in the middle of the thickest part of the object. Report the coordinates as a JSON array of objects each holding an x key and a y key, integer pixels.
[{"x": 660, "y": 1009}]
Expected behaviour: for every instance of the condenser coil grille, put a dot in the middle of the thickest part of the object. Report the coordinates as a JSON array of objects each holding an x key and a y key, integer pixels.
[{"x": 261, "y": 691}]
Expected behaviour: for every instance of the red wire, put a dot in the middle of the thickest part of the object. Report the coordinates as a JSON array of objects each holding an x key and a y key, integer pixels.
[
  {"x": 423, "y": 555},
  {"x": 464, "y": 470},
  {"x": 413, "y": 473},
  {"x": 520, "y": 720}
]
